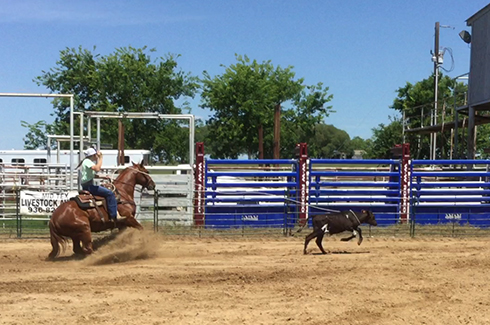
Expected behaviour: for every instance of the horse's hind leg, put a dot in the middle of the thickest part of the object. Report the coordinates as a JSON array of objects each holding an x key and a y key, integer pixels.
[
  {"x": 55, "y": 242},
  {"x": 77, "y": 248},
  {"x": 56, "y": 248},
  {"x": 86, "y": 239}
]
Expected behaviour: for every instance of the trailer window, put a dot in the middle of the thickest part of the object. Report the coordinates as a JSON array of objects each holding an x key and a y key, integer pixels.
[
  {"x": 40, "y": 160},
  {"x": 1, "y": 160},
  {"x": 126, "y": 159},
  {"x": 18, "y": 161}
]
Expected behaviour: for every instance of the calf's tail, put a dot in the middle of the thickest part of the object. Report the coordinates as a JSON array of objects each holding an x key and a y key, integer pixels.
[{"x": 301, "y": 227}]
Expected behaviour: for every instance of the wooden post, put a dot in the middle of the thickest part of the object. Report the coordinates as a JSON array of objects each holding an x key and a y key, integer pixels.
[{"x": 120, "y": 144}]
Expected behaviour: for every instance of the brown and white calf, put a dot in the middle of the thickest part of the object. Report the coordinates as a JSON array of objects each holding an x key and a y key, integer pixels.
[{"x": 334, "y": 223}]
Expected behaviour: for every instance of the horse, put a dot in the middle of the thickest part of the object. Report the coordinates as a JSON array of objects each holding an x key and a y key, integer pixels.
[{"x": 71, "y": 221}]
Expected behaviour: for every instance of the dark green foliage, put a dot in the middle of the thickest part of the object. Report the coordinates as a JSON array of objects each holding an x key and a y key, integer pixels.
[
  {"x": 243, "y": 99},
  {"x": 127, "y": 80}
]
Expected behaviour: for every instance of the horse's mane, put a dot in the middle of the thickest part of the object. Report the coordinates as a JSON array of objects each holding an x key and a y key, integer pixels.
[{"x": 121, "y": 172}]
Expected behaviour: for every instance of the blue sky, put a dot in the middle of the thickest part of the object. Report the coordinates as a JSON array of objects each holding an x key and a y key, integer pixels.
[{"x": 362, "y": 50}]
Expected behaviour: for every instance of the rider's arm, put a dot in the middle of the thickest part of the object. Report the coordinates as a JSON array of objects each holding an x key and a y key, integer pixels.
[{"x": 98, "y": 166}]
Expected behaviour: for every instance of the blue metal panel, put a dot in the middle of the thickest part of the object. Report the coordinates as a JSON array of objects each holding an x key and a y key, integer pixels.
[
  {"x": 354, "y": 173},
  {"x": 251, "y": 161},
  {"x": 375, "y": 162},
  {"x": 455, "y": 201},
  {"x": 242, "y": 203},
  {"x": 343, "y": 194},
  {"x": 245, "y": 204},
  {"x": 248, "y": 216}
]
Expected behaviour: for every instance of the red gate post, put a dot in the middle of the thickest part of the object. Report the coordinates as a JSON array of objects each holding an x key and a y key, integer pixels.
[
  {"x": 303, "y": 182},
  {"x": 405, "y": 183},
  {"x": 199, "y": 178}
]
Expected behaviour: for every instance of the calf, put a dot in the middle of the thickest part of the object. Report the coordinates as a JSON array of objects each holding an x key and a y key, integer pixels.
[{"x": 335, "y": 223}]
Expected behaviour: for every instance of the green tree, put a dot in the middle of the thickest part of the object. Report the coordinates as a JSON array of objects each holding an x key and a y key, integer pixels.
[
  {"x": 128, "y": 80},
  {"x": 384, "y": 138},
  {"x": 37, "y": 134},
  {"x": 358, "y": 143},
  {"x": 329, "y": 142},
  {"x": 243, "y": 100}
]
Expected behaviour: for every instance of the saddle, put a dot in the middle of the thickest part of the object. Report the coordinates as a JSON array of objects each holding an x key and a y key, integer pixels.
[{"x": 85, "y": 201}]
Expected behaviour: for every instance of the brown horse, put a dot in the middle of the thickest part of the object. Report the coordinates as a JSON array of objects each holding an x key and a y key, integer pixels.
[{"x": 69, "y": 221}]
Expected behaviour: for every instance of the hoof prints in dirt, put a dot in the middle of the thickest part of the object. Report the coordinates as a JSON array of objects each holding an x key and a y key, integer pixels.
[{"x": 127, "y": 246}]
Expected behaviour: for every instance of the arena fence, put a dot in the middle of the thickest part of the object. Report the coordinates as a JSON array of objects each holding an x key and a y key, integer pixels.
[
  {"x": 408, "y": 197},
  {"x": 271, "y": 197}
]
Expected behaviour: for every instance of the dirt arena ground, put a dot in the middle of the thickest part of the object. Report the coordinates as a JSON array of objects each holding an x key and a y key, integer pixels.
[{"x": 142, "y": 278}]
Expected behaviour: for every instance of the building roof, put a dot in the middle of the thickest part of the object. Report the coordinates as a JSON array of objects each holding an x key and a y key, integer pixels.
[{"x": 478, "y": 14}]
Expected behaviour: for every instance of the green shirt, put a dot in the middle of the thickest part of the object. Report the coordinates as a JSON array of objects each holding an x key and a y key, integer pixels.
[{"x": 87, "y": 172}]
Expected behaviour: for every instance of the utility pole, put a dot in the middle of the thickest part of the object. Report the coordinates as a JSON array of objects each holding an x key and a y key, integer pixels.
[{"x": 435, "y": 57}]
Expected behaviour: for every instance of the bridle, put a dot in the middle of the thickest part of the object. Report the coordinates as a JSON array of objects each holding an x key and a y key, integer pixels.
[{"x": 114, "y": 189}]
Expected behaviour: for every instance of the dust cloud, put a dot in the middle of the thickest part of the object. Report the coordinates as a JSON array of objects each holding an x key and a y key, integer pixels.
[{"x": 125, "y": 246}]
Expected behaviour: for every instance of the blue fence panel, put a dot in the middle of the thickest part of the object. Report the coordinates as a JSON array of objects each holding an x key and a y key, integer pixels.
[
  {"x": 238, "y": 194},
  {"x": 342, "y": 185},
  {"x": 447, "y": 192},
  {"x": 237, "y": 197}
]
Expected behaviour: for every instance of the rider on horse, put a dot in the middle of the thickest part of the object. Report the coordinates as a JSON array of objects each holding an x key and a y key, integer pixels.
[{"x": 91, "y": 164}]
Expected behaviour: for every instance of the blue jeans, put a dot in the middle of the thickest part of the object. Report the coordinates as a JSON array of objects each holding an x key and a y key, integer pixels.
[{"x": 109, "y": 196}]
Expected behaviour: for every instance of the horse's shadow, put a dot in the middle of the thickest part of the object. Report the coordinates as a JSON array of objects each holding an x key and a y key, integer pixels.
[{"x": 73, "y": 257}]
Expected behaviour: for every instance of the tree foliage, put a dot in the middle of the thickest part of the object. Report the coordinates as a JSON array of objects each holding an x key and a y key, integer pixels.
[
  {"x": 242, "y": 101},
  {"x": 37, "y": 134},
  {"x": 330, "y": 142},
  {"x": 127, "y": 80},
  {"x": 384, "y": 138}
]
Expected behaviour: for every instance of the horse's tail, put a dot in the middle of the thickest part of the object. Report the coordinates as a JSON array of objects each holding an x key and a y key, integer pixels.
[{"x": 56, "y": 240}]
